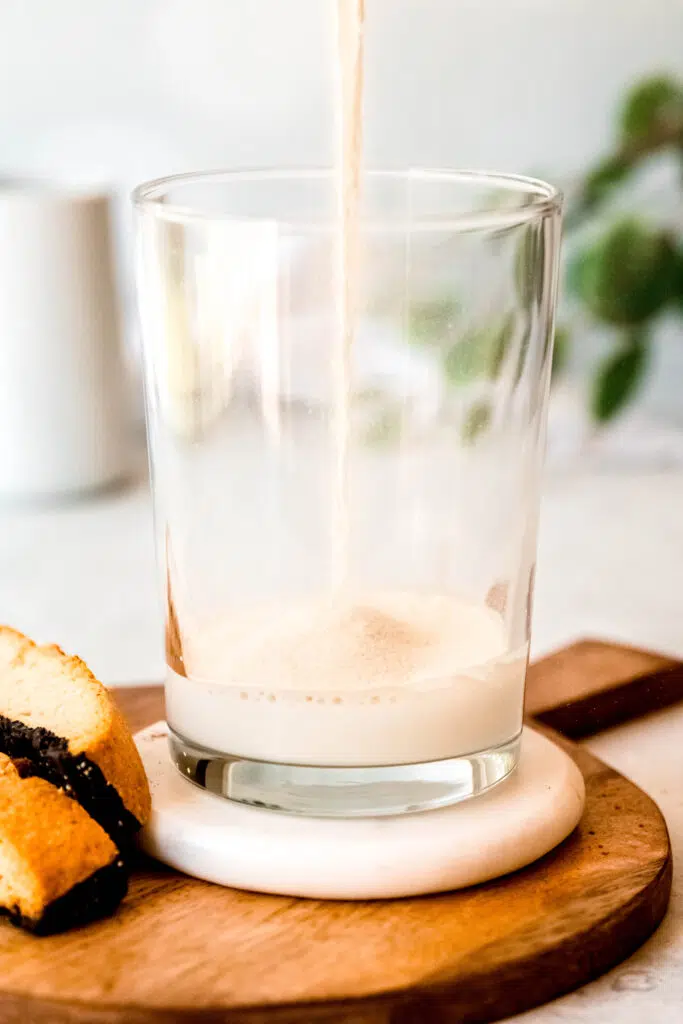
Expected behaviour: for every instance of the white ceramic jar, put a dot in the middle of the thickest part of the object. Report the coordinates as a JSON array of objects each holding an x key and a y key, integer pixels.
[{"x": 62, "y": 387}]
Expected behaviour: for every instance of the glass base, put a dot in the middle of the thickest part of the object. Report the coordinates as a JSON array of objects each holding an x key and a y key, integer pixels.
[{"x": 344, "y": 792}]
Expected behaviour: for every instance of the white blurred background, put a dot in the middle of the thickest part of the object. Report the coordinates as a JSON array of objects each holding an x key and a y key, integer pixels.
[{"x": 122, "y": 90}]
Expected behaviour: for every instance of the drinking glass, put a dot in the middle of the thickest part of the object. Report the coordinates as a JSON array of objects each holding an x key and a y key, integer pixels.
[{"x": 346, "y": 534}]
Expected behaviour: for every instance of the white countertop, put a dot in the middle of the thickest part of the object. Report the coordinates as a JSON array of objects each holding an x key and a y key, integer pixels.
[{"x": 610, "y": 565}]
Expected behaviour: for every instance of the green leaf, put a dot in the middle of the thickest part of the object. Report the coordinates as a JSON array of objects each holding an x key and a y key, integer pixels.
[
  {"x": 651, "y": 119},
  {"x": 482, "y": 352},
  {"x": 560, "y": 351},
  {"x": 477, "y": 421},
  {"x": 499, "y": 342},
  {"x": 433, "y": 322},
  {"x": 580, "y": 270},
  {"x": 602, "y": 180},
  {"x": 529, "y": 265},
  {"x": 678, "y": 282},
  {"x": 651, "y": 106},
  {"x": 522, "y": 353},
  {"x": 619, "y": 378},
  {"x": 628, "y": 276},
  {"x": 465, "y": 361},
  {"x": 385, "y": 428}
]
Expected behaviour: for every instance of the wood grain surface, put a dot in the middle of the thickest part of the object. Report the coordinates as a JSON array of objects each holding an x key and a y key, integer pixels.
[
  {"x": 594, "y": 685},
  {"x": 181, "y": 951}
]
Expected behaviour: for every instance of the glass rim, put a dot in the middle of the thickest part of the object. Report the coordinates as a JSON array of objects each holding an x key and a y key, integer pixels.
[{"x": 542, "y": 198}]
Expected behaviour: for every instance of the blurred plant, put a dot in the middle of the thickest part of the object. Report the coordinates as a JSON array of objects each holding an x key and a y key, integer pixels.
[
  {"x": 624, "y": 273},
  {"x": 465, "y": 354},
  {"x": 631, "y": 274},
  {"x": 472, "y": 354}
]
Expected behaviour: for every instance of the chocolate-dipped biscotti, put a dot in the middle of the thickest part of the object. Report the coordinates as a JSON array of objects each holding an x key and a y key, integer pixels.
[
  {"x": 58, "y": 867},
  {"x": 55, "y": 714},
  {"x": 73, "y": 791}
]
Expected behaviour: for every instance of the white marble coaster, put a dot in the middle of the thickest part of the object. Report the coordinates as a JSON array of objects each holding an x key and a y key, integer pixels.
[{"x": 514, "y": 824}]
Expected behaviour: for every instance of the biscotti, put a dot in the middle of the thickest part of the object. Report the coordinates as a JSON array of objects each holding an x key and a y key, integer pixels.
[
  {"x": 57, "y": 716},
  {"x": 58, "y": 867}
]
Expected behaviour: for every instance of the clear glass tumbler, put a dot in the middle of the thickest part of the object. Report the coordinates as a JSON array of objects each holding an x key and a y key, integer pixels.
[{"x": 347, "y": 536}]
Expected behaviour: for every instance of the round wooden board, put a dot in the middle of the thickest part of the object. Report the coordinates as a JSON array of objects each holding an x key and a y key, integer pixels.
[{"x": 181, "y": 951}]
